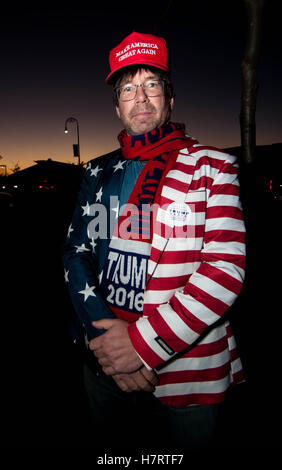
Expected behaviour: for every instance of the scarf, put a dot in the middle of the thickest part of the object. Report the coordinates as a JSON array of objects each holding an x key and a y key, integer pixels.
[
  {"x": 160, "y": 148},
  {"x": 125, "y": 271}
]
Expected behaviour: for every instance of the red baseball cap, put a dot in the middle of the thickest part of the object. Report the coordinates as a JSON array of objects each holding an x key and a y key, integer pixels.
[{"x": 137, "y": 48}]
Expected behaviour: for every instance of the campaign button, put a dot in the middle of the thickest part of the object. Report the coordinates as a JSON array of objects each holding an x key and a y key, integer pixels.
[{"x": 178, "y": 214}]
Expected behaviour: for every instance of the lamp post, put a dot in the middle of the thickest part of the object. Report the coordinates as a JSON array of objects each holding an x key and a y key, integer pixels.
[{"x": 76, "y": 147}]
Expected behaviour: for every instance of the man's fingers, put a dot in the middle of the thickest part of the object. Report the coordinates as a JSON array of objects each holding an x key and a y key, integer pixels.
[
  {"x": 149, "y": 375},
  {"x": 142, "y": 383},
  {"x": 121, "y": 383},
  {"x": 95, "y": 344},
  {"x": 108, "y": 370},
  {"x": 133, "y": 382},
  {"x": 126, "y": 383}
]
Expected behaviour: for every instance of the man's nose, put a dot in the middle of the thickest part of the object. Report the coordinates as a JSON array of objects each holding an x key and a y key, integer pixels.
[{"x": 140, "y": 94}]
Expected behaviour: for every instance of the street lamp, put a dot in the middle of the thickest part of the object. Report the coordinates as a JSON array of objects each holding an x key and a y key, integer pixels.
[{"x": 76, "y": 147}]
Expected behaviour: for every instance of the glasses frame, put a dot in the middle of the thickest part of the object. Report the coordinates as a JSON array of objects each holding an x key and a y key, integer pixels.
[{"x": 144, "y": 91}]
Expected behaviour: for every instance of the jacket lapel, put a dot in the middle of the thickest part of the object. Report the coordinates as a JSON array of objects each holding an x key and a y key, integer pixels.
[{"x": 175, "y": 188}]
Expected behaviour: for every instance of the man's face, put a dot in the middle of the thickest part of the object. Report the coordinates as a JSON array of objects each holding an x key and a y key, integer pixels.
[{"x": 143, "y": 114}]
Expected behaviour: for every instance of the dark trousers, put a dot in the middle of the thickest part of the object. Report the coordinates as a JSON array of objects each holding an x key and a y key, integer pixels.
[{"x": 139, "y": 421}]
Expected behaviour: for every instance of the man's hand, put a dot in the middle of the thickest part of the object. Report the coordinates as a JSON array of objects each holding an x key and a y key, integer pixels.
[
  {"x": 142, "y": 379},
  {"x": 114, "y": 349}
]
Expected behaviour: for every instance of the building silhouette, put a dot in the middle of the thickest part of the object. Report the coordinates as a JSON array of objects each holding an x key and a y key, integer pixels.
[{"x": 46, "y": 175}]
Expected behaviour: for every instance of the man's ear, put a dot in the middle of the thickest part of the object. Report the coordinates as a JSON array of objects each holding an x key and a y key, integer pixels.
[
  {"x": 171, "y": 103},
  {"x": 117, "y": 111}
]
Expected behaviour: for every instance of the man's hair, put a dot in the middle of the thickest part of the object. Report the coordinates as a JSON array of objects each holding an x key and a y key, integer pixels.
[{"x": 131, "y": 72}]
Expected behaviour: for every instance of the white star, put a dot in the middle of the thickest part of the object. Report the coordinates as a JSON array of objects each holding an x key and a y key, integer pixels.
[
  {"x": 100, "y": 276},
  {"x": 99, "y": 195},
  {"x": 81, "y": 248},
  {"x": 86, "y": 209},
  {"x": 70, "y": 230},
  {"x": 87, "y": 292},
  {"x": 116, "y": 209},
  {"x": 88, "y": 166},
  {"x": 93, "y": 244},
  {"x": 66, "y": 276},
  {"x": 119, "y": 166},
  {"x": 95, "y": 171}
]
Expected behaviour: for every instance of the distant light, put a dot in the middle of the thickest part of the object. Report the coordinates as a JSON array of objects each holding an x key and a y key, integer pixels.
[
  {"x": 66, "y": 131},
  {"x": 3, "y": 187},
  {"x": 40, "y": 186},
  {"x": 15, "y": 186}
]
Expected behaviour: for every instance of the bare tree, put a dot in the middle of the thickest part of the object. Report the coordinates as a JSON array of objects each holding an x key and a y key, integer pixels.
[
  {"x": 250, "y": 80},
  {"x": 16, "y": 168}
]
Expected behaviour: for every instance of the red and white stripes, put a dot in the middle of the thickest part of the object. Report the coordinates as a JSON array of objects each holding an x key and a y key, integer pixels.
[{"x": 194, "y": 275}]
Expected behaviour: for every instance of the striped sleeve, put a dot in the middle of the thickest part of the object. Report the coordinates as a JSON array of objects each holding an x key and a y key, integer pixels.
[{"x": 211, "y": 289}]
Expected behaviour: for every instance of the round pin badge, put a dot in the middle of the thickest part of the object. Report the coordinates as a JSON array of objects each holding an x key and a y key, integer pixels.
[{"x": 178, "y": 214}]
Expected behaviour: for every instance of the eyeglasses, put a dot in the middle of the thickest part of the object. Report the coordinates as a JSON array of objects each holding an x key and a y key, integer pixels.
[{"x": 151, "y": 88}]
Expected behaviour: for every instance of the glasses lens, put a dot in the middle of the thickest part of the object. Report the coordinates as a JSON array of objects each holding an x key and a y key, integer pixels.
[
  {"x": 153, "y": 87},
  {"x": 127, "y": 92},
  {"x": 150, "y": 88}
]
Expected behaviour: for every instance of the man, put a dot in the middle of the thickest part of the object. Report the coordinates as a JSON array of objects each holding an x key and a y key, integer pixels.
[{"x": 154, "y": 258}]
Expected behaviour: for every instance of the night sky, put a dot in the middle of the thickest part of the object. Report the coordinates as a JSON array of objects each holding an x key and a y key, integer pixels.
[
  {"x": 53, "y": 65},
  {"x": 54, "y": 61}
]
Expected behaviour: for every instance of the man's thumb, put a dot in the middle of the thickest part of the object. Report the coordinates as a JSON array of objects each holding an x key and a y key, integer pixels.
[{"x": 104, "y": 324}]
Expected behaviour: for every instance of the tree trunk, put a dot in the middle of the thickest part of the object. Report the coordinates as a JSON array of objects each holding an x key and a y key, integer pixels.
[{"x": 250, "y": 80}]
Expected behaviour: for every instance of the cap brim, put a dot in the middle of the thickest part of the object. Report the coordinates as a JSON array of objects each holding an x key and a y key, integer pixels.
[{"x": 113, "y": 76}]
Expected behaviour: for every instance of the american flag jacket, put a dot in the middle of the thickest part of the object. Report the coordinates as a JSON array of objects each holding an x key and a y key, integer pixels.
[{"x": 194, "y": 276}]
